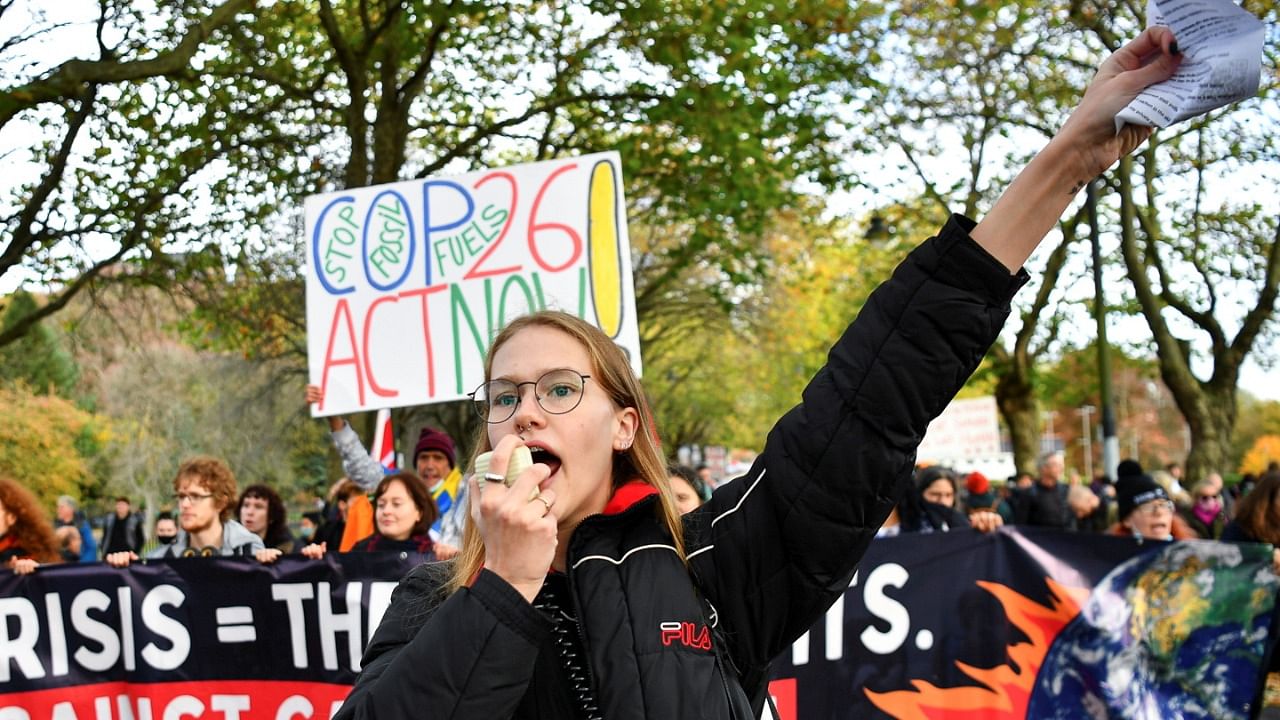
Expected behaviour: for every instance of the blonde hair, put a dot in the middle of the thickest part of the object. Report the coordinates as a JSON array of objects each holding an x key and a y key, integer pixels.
[{"x": 612, "y": 373}]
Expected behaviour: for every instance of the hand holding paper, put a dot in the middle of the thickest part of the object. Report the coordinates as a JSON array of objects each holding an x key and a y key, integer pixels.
[{"x": 1222, "y": 45}]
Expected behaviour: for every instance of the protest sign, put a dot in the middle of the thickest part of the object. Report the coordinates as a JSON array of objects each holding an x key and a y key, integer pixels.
[
  {"x": 1021, "y": 623},
  {"x": 408, "y": 283}
]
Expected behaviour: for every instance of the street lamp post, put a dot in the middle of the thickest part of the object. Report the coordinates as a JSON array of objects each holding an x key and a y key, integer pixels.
[
  {"x": 1110, "y": 443},
  {"x": 1085, "y": 412}
]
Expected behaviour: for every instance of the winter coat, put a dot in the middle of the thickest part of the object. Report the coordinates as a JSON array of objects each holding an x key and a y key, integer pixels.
[
  {"x": 1208, "y": 531},
  {"x": 133, "y": 536},
  {"x": 377, "y": 542},
  {"x": 767, "y": 555}
]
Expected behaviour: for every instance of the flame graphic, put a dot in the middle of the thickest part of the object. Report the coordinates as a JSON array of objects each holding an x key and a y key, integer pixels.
[{"x": 1006, "y": 692}]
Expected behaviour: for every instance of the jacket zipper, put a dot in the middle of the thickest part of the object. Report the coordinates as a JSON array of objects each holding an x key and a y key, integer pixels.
[{"x": 577, "y": 616}]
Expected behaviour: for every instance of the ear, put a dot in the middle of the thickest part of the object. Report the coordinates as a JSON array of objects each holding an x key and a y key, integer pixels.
[{"x": 625, "y": 424}]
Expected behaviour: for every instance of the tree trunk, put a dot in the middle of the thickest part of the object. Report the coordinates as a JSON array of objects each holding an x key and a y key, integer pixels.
[
  {"x": 1021, "y": 412},
  {"x": 1211, "y": 431},
  {"x": 1208, "y": 407}
]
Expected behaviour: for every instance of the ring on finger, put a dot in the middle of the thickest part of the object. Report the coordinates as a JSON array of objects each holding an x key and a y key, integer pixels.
[
  {"x": 546, "y": 502},
  {"x": 494, "y": 477}
]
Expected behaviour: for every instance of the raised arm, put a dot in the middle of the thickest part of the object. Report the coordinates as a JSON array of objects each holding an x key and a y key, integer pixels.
[
  {"x": 1084, "y": 148},
  {"x": 356, "y": 461},
  {"x": 773, "y": 549}
]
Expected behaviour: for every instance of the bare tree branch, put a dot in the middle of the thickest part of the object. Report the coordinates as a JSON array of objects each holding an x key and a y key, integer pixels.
[
  {"x": 73, "y": 77},
  {"x": 1261, "y": 313},
  {"x": 465, "y": 146},
  {"x": 23, "y": 236}
]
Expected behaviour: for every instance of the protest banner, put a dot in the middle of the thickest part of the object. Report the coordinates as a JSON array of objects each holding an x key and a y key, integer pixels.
[
  {"x": 1034, "y": 623},
  {"x": 190, "y": 638},
  {"x": 1019, "y": 623},
  {"x": 407, "y": 283}
]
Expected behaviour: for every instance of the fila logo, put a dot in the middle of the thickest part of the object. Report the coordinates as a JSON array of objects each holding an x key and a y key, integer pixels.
[{"x": 687, "y": 634}]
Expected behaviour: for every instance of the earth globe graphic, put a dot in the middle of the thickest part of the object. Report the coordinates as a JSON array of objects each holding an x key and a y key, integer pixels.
[{"x": 1176, "y": 632}]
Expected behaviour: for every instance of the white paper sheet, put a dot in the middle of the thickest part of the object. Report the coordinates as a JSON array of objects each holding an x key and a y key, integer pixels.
[{"x": 1222, "y": 45}]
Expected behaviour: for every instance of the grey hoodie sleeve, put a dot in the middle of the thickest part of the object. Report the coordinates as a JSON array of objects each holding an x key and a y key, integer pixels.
[{"x": 356, "y": 462}]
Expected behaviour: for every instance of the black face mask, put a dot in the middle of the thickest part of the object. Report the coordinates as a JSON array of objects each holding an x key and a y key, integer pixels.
[{"x": 167, "y": 539}]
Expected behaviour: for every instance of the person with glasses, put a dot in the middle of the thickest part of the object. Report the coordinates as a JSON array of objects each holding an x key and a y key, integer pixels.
[
  {"x": 1207, "y": 516},
  {"x": 1146, "y": 511},
  {"x": 204, "y": 497},
  {"x": 580, "y": 591}
]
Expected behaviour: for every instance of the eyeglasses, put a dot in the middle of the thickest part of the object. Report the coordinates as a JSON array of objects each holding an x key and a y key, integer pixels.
[
  {"x": 557, "y": 392},
  {"x": 192, "y": 498},
  {"x": 1155, "y": 507}
]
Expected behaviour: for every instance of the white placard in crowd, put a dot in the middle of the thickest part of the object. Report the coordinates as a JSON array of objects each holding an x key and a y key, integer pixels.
[{"x": 965, "y": 431}]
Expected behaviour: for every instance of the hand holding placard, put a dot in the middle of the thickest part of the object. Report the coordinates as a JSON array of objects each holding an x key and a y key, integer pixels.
[{"x": 1222, "y": 45}]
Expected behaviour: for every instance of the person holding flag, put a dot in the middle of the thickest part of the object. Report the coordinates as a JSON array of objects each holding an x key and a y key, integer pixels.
[{"x": 434, "y": 460}]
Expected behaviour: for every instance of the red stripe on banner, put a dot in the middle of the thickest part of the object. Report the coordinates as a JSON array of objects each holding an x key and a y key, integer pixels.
[{"x": 187, "y": 700}]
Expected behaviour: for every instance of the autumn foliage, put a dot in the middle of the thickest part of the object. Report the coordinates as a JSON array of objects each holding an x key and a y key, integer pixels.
[
  {"x": 1265, "y": 450},
  {"x": 49, "y": 444}
]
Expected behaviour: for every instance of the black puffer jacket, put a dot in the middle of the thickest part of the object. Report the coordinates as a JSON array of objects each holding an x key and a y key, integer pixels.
[{"x": 768, "y": 554}]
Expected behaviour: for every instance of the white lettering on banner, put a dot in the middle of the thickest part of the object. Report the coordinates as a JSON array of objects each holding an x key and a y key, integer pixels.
[
  {"x": 126, "y": 710},
  {"x": 834, "y": 625},
  {"x": 295, "y": 597},
  {"x": 800, "y": 650},
  {"x": 295, "y": 706},
  {"x": 20, "y": 649},
  {"x": 105, "y": 647},
  {"x": 293, "y": 594},
  {"x": 379, "y": 600},
  {"x": 887, "y": 609},
  {"x": 124, "y": 598},
  {"x": 229, "y": 705},
  {"x": 182, "y": 706},
  {"x": 57, "y": 635},
  {"x": 878, "y": 604},
  {"x": 99, "y": 632},
  {"x": 166, "y": 627},
  {"x": 332, "y": 623}
]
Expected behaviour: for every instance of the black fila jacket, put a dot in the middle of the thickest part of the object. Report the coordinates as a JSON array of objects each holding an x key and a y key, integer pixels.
[{"x": 768, "y": 554}]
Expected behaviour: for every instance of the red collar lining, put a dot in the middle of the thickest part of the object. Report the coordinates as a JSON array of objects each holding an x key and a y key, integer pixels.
[{"x": 628, "y": 494}]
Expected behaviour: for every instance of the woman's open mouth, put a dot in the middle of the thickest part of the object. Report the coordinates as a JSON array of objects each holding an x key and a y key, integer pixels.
[{"x": 544, "y": 456}]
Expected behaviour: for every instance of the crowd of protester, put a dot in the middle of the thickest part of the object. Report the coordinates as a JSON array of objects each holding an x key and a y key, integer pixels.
[{"x": 209, "y": 516}]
